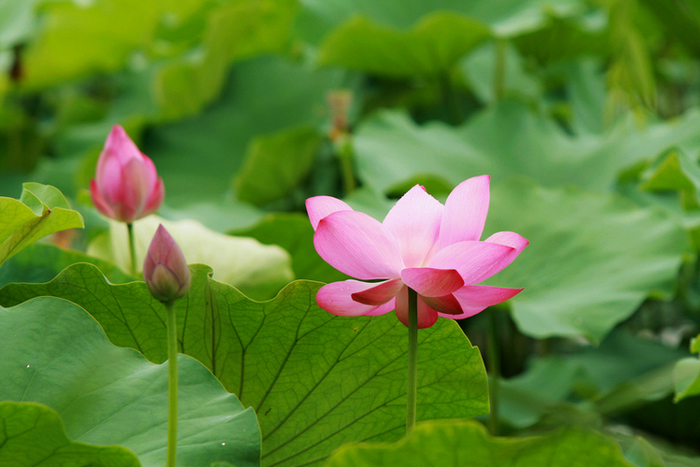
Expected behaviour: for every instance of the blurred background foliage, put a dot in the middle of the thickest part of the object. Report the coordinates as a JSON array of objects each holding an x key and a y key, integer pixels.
[{"x": 586, "y": 113}]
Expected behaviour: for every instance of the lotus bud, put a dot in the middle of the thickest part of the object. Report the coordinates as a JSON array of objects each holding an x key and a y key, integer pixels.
[
  {"x": 126, "y": 186},
  {"x": 165, "y": 268}
]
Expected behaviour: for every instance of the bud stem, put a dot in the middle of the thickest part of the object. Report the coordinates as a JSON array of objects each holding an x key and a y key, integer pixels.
[
  {"x": 132, "y": 247},
  {"x": 172, "y": 384},
  {"x": 412, "y": 360}
]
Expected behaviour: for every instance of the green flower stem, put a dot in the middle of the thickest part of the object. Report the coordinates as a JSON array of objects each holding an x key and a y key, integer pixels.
[
  {"x": 412, "y": 360},
  {"x": 132, "y": 248},
  {"x": 172, "y": 384},
  {"x": 494, "y": 369}
]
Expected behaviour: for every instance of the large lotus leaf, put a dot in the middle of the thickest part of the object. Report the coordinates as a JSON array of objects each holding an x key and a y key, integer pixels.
[
  {"x": 293, "y": 232},
  {"x": 430, "y": 47},
  {"x": 276, "y": 164},
  {"x": 54, "y": 353},
  {"x": 42, "y": 210},
  {"x": 467, "y": 444},
  {"x": 33, "y": 434},
  {"x": 592, "y": 259},
  {"x": 318, "y": 18},
  {"x": 260, "y": 270},
  {"x": 391, "y": 148},
  {"x": 263, "y": 96},
  {"x": 316, "y": 380}
]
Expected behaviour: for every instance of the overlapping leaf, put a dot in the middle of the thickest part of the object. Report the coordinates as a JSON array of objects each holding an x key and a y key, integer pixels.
[
  {"x": 54, "y": 353},
  {"x": 316, "y": 380},
  {"x": 467, "y": 444}
]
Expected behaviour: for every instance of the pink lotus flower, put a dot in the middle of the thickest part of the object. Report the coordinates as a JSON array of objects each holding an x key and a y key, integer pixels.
[
  {"x": 127, "y": 186},
  {"x": 165, "y": 268},
  {"x": 433, "y": 249}
]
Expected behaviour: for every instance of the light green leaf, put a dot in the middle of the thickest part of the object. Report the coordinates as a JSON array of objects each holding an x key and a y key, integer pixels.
[
  {"x": 293, "y": 232},
  {"x": 467, "y": 444},
  {"x": 260, "y": 270},
  {"x": 316, "y": 380},
  {"x": 33, "y": 434},
  {"x": 54, "y": 353},
  {"x": 275, "y": 164},
  {"x": 430, "y": 47},
  {"x": 592, "y": 259},
  {"x": 42, "y": 210}
]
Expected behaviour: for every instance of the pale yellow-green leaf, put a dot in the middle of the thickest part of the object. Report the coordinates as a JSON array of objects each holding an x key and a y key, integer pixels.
[{"x": 260, "y": 270}]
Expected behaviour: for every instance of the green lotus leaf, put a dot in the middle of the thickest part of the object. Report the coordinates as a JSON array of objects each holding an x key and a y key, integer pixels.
[
  {"x": 52, "y": 352},
  {"x": 316, "y": 380},
  {"x": 592, "y": 259}
]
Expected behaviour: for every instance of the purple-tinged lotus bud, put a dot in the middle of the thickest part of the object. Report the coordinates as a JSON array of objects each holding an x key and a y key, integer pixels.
[{"x": 165, "y": 269}]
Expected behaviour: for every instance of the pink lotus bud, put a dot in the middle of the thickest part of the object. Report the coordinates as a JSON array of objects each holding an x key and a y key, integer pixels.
[
  {"x": 127, "y": 186},
  {"x": 165, "y": 269}
]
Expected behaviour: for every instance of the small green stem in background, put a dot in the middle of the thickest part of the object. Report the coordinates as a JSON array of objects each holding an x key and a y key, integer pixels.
[
  {"x": 344, "y": 152},
  {"x": 172, "y": 384},
  {"x": 132, "y": 248},
  {"x": 412, "y": 360},
  {"x": 450, "y": 99},
  {"x": 495, "y": 368},
  {"x": 499, "y": 72}
]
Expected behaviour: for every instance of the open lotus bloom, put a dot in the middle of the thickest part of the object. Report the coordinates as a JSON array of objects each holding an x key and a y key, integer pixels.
[
  {"x": 127, "y": 186},
  {"x": 431, "y": 248}
]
